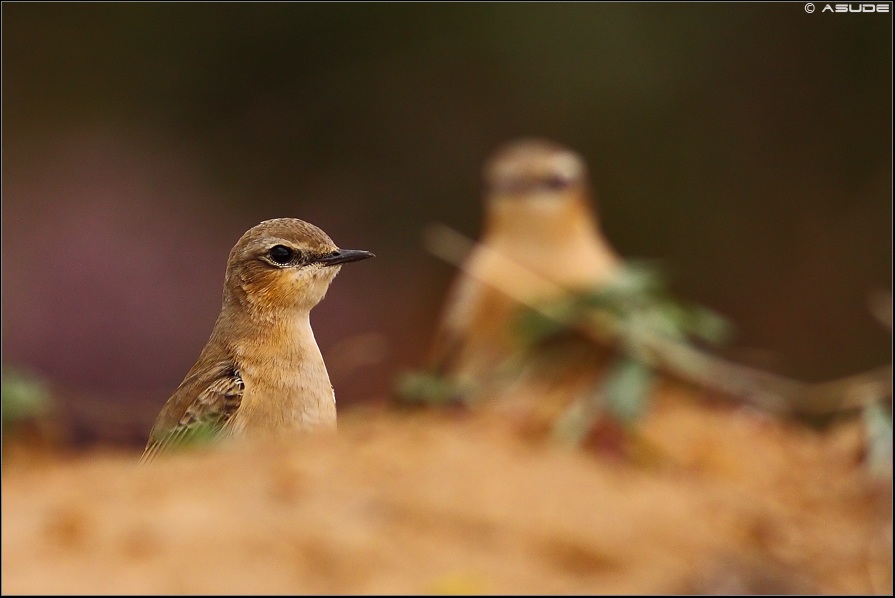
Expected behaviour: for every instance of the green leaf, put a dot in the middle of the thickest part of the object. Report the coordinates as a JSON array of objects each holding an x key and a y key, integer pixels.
[
  {"x": 427, "y": 388},
  {"x": 627, "y": 388},
  {"x": 637, "y": 279},
  {"x": 878, "y": 430},
  {"x": 709, "y": 326},
  {"x": 202, "y": 434},
  {"x": 24, "y": 397},
  {"x": 533, "y": 327},
  {"x": 573, "y": 424}
]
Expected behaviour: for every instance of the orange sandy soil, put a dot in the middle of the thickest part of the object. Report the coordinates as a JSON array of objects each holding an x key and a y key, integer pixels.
[{"x": 728, "y": 502}]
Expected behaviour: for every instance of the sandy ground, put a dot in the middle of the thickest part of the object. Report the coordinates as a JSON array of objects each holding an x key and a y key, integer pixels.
[{"x": 729, "y": 501}]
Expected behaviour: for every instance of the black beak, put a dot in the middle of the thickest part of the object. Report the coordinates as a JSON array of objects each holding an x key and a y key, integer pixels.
[{"x": 343, "y": 256}]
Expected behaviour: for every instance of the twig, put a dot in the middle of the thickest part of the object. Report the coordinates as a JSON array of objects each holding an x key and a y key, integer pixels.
[{"x": 767, "y": 390}]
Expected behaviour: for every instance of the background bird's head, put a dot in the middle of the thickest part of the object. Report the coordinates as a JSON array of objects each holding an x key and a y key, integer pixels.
[
  {"x": 284, "y": 264},
  {"x": 535, "y": 188}
]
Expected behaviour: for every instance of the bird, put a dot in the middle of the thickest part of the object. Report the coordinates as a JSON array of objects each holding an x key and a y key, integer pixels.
[
  {"x": 261, "y": 371},
  {"x": 541, "y": 239}
]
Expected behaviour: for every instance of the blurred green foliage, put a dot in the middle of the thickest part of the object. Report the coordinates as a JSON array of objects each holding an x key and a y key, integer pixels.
[
  {"x": 25, "y": 398},
  {"x": 878, "y": 433},
  {"x": 636, "y": 300},
  {"x": 421, "y": 388},
  {"x": 199, "y": 434},
  {"x": 628, "y": 313}
]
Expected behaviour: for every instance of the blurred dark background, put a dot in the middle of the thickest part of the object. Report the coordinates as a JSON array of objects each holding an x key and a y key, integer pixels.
[{"x": 747, "y": 146}]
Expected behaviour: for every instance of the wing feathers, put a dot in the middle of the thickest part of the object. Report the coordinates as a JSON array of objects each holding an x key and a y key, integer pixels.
[{"x": 202, "y": 405}]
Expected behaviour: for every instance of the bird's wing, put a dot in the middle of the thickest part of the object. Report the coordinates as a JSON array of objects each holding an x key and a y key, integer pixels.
[
  {"x": 451, "y": 334},
  {"x": 203, "y": 403}
]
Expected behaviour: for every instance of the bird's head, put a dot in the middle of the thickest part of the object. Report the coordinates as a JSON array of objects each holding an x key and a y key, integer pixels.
[
  {"x": 535, "y": 187},
  {"x": 284, "y": 264}
]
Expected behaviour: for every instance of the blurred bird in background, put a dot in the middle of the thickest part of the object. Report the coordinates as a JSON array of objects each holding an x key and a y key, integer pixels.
[
  {"x": 261, "y": 370},
  {"x": 548, "y": 325},
  {"x": 538, "y": 213},
  {"x": 541, "y": 240}
]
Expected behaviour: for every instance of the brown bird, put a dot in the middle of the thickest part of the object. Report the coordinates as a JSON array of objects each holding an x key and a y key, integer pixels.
[
  {"x": 540, "y": 239},
  {"x": 261, "y": 370}
]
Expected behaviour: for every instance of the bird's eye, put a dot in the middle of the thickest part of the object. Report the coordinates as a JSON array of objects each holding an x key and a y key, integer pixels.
[
  {"x": 280, "y": 254},
  {"x": 557, "y": 182}
]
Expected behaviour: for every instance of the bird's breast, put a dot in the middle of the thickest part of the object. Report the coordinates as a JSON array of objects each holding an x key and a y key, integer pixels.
[{"x": 287, "y": 387}]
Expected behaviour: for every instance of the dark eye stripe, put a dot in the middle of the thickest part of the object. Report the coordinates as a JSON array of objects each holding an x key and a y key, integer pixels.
[
  {"x": 524, "y": 185},
  {"x": 557, "y": 182}
]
